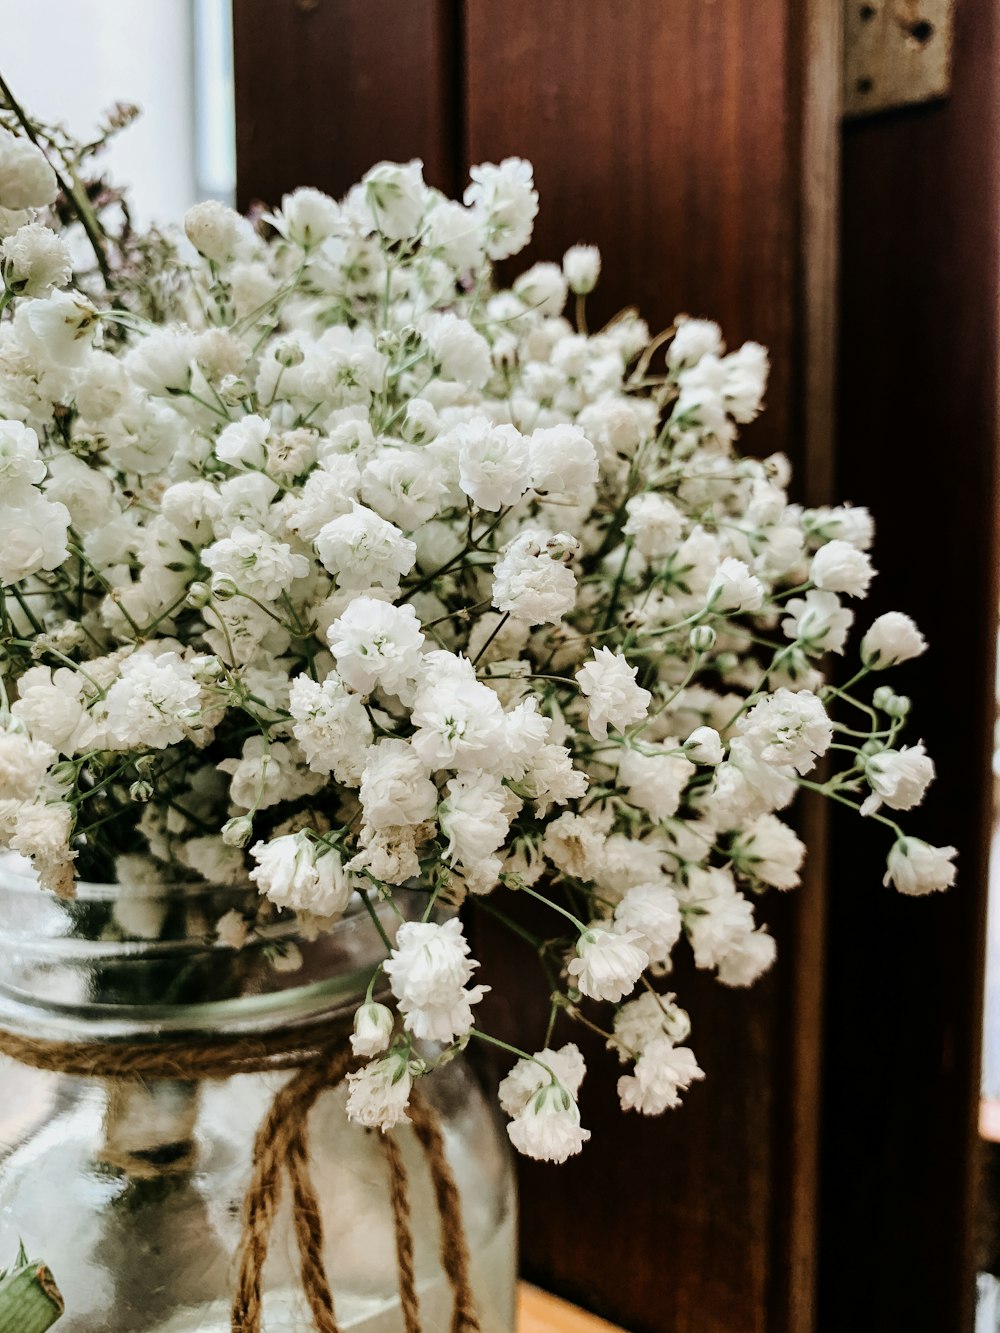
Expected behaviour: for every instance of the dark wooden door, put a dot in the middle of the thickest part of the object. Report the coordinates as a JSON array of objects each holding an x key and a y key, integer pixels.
[{"x": 697, "y": 143}]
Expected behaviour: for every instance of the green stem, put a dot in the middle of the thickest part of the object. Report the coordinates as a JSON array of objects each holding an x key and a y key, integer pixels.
[
  {"x": 370, "y": 909},
  {"x": 74, "y": 192}
]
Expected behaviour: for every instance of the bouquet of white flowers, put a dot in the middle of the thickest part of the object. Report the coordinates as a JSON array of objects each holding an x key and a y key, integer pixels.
[{"x": 330, "y": 565}]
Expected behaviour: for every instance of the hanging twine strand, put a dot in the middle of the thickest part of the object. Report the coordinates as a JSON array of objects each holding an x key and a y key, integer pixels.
[{"x": 281, "y": 1147}]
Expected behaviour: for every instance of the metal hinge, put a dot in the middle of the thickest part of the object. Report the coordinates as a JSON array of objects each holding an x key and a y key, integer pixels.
[{"x": 896, "y": 52}]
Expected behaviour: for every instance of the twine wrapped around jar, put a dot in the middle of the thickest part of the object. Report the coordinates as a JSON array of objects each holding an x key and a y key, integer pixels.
[{"x": 321, "y": 1061}]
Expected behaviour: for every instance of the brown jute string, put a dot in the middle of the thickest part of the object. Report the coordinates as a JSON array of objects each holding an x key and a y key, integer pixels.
[{"x": 321, "y": 1062}]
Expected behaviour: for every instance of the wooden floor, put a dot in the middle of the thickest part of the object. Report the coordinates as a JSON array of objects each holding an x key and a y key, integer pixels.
[{"x": 538, "y": 1312}]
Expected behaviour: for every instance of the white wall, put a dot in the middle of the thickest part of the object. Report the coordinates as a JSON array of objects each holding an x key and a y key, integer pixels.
[{"x": 69, "y": 60}]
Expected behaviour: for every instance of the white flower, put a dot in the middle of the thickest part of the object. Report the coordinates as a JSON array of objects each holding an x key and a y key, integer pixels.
[
  {"x": 746, "y": 372},
  {"x": 152, "y": 703},
  {"x": 717, "y": 918},
  {"x": 21, "y": 467},
  {"x": 456, "y": 234},
  {"x": 892, "y": 638},
  {"x": 704, "y": 746},
  {"x": 581, "y": 267},
  {"x": 915, "y": 867},
  {"x": 900, "y": 778},
  {"x": 840, "y": 567},
  {"x": 50, "y": 705},
  {"x": 642, "y": 1020},
  {"x": 529, "y": 583},
  {"x": 542, "y": 288},
  {"x": 307, "y": 217},
  {"x": 748, "y": 960},
  {"x": 34, "y": 261},
  {"x": 59, "y": 330},
  {"x": 549, "y": 1128},
  {"x": 744, "y": 786},
  {"x": 26, "y": 179},
  {"x": 403, "y": 487},
  {"x": 162, "y": 362},
  {"x": 266, "y": 774},
  {"x": 361, "y": 549},
  {"x": 734, "y": 588},
  {"x": 396, "y": 195},
  {"x": 298, "y": 873},
  {"x": 528, "y": 1076},
  {"x": 379, "y": 1094},
  {"x": 475, "y": 817},
  {"x": 428, "y": 971},
  {"x": 217, "y": 232},
  {"x": 460, "y": 722},
  {"x": 608, "y": 964},
  {"x": 244, "y": 442},
  {"x": 654, "y": 523},
  {"x": 376, "y": 643},
  {"x": 770, "y": 851},
  {"x": 461, "y": 352},
  {"x": 650, "y": 911},
  {"x": 42, "y": 833},
  {"x": 818, "y": 622},
  {"x": 654, "y": 781},
  {"x": 662, "y": 1072},
  {"x": 788, "y": 727},
  {"x": 256, "y": 563},
  {"x": 505, "y": 196},
  {"x": 612, "y": 693},
  {"x": 331, "y": 725},
  {"x": 373, "y": 1024},
  {"x": 492, "y": 463},
  {"x": 395, "y": 788},
  {"x": 540, "y": 1094},
  {"x": 328, "y": 492},
  {"x": 23, "y": 764},
  {"x": 561, "y": 460},
  {"x": 694, "y": 339}
]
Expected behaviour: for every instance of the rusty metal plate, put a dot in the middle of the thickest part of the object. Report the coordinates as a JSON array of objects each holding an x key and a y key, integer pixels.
[{"x": 896, "y": 52}]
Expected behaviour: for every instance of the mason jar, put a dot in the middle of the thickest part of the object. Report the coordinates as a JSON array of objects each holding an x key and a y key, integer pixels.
[{"x": 132, "y": 1190}]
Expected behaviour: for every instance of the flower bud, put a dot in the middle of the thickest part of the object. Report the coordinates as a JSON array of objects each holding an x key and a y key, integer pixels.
[
  {"x": 896, "y": 705},
  {"x": 581, "y": 267},
  {"x": 206, "y": 669},
  {"x": 288, "y": 353},
  {"x": 62, "y": 774},
  {"x": 410, "y": 338},
  {"x": 140, "y": 791},
  {"x": 702, "y": 638},
  {"x": 238, "y": 831},
  {"x": 233, "y": 390},
  {"x": 199, "y": 595},
  {"x": 563, "y": 546},
  {"x": 373, "y": 1024},
  {"x": 224, "y": 587},
  {"x": 387, "y": 342}
]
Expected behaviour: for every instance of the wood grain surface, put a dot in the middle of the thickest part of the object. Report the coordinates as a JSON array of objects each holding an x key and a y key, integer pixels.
[
  {"x": 674, "y": 137},
  {"x": 696, "y": 142},
  {"x": 918, "y": 443}
]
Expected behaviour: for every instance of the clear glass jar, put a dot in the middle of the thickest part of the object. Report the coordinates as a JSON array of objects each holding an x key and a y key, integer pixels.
[{"x": 132, "y": 1191}]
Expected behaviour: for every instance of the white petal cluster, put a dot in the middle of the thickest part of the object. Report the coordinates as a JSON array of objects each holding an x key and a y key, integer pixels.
[
  {"x": 539, "y": 1094},
  {"x": 429, "y": 970},
  {"x": 294, "y": 871},
  {"x": 329, "y": 563}
]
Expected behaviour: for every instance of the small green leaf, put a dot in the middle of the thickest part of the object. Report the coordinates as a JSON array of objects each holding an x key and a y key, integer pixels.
[{"x": 30, "y": 1301}]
